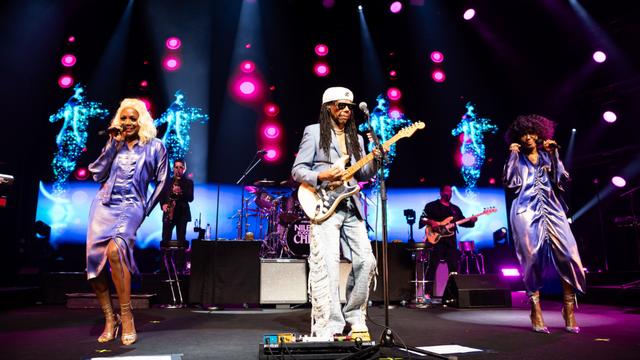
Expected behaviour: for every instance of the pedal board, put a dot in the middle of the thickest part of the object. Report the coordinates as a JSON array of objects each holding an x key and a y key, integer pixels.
[{"x": 312, "y": 350}]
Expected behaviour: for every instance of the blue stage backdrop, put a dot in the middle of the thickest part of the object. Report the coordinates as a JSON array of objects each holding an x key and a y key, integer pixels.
[{"x": 68, "y": 215}]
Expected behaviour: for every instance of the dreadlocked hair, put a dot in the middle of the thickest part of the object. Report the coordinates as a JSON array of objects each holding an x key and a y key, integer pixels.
[
  {"x": 530, "y": 124},
  {"x": 326, "y": 127}
]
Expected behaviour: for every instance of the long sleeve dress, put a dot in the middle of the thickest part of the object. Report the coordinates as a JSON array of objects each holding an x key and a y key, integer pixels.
[
  {"x": 121, "y": 204},
  {"x": 539, "y": 224}
]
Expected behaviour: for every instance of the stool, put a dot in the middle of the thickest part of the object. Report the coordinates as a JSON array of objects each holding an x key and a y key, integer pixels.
[
  {"x": 420, "y": 255},
  {"x": 467, "y": 248},
  {"x": 169, "y": 249}
]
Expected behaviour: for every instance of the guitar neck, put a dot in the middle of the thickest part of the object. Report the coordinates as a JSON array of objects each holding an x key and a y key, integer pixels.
[
  {"x": 365, "y": 160},
  {"x": 462, "y": 221}
]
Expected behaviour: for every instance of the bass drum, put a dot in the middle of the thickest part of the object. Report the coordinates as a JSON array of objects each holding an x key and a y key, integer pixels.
[{"x": 299, "y": 237}]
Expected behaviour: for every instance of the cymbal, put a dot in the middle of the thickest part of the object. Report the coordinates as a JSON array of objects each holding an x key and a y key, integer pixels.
[
  {"x": 251, "y": 189},
  {"x": 264, "y": 182},
  {"x": 289, "y": 183}
]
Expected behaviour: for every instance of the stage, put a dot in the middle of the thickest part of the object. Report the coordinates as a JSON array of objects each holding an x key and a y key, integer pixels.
[{"x": 55, "y": 332}]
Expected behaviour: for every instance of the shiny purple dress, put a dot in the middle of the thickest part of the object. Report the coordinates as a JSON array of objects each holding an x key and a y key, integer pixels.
[
  {"x": 121, "y": 204},
  {"x": 539, "y": 225}
]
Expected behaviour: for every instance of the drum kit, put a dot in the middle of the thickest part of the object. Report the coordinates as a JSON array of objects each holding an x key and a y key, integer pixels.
[{"x": 287, "y": 227}]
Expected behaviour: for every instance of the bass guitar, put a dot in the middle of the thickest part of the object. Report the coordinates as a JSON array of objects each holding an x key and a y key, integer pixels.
[
  {"x": 446, "y": 228},
  {"x": 319, "y": 203}
]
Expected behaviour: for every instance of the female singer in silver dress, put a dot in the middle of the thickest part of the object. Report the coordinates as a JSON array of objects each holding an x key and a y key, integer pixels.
[
  {"x": 536, "y": 177},
  {"x": 131, "y": 159}
]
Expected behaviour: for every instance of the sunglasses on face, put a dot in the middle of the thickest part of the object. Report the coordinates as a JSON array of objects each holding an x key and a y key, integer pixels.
[{"x": 343, "y": 105}]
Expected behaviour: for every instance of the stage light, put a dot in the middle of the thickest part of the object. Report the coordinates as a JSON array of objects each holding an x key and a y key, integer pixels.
[
  {"x": 271, "y": 109},
  {"x": 144, "y": 83},
  {"x": 573, "y": 130},
  {"x": 492, "y": 181},
  {"x": 321, "y": 50},
  {"x": 469, "y": 14},
  {"x": 171, "y": 63},
  {"x": 437, "y": 56},
  {"x": 68, "y": 60},
  {"x": 394, "y": 94},
  {"x": 468, "y": 159},
  {"x": 247, "y": 66},
  {"x": 609, "y": 116},
  {"x": 618, "y": 181},
  {"x": 360, "y": 8},
  {"x": 599, "y": 56},
  {"x": 328, "y": 3},
  {"x": 393, "y": 73},
  {"x": 395, "y": 113},
  {"x": 81, "y": 174},
  {"x": 510, "y": 272},
  {"x": 247, "y": 46},
  {"x": 438, "y": 76},
  {"x": 395, "y": 7},
  {"x": 271, "y": 131},
  {"x": 247, "y": 87},
  {"x": 321, "y": 69},
  {"x": 65, "y": 81},
  {"x": 147, "y": 103},
  {"x": 173, "y": 43},
  {"x": 71, "y": 39},
  {"x": 272, "y": 154}
]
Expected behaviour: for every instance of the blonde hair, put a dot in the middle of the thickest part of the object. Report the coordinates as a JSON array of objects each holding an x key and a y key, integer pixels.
[{"x": 147, "y": 130}]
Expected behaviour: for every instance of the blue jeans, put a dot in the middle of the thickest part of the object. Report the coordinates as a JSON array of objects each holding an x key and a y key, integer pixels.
[{"x": 346, "y": 229}]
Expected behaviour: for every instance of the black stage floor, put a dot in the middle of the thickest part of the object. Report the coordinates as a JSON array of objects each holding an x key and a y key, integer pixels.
[{"x": 55, "y": 332}]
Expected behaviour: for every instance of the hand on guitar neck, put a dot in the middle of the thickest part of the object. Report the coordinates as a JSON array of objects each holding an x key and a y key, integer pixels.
[{"x": 436, "y": 230}]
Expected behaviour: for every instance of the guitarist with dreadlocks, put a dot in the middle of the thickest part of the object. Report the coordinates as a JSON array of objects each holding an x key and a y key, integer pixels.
[{"x": 322, "y": 145}]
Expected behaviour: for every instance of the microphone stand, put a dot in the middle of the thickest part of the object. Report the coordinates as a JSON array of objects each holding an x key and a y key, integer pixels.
[
  {"x": 254, "y": 162},
  {"x": 386, "y": 339}
]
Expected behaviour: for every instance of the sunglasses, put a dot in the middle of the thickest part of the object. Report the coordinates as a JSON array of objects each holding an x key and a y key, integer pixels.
[{"x": 343, "y": 105}]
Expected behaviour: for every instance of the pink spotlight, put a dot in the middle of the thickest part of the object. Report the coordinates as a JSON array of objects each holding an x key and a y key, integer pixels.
[
  {"x": 71, "y": 39},
  {"x": 395, "y": 7},
  {"x": 438, "y": 76},
  {"x": 328, "y": 3},
  {"x": 247, "y": 46},
  {"x": 321, "y": 69},
  {"x": 173, "y": 43},
  {"x": 272, "y": 154},
  {"x": 247, "y": 87},
  {"x": 618, "y": 181},
  {"x": 247, "y": 66},
  {"x": 81, "y": 174},
  {"x": 609, "y": 116},
  {"x": 437, "y": 56},
  {"x": 599, "y": 56},
  {"x": 68, "y": 60},
  {"x": 469, "y": 14},
  {"x": 492, "y": 181},
  {"x": 394, "y": 94},
  {"x": 321, "y": 50},
  {"x": 510, "y": 272},
  {"x": 393, "y": 73},
  {"x": 144, "y": 83},
  {"x": 271, "y": 109},
  {"x": 171, "y": 63},
  {"x": 65, "y": 81},
  {"x": 147, "y": 103},
  {"x": 271, "y": 131},
  {"x": 468, "y": 160},
  {"x": 395, "y": 113}
]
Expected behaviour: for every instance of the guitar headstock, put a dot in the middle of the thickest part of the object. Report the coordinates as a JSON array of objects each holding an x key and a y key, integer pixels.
[
  {"x": 409, "y": 130},
  {"x": 489, "y": 210}
]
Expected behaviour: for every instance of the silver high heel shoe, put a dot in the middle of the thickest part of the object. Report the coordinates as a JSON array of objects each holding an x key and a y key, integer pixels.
[
  {"x": 537, "y": 322},
  {"x": 125, "y": 313}
]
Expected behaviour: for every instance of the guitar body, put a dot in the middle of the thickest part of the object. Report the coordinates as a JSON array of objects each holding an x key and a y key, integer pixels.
[
  {"x": 433, "y": 236},
  {"x": 319, "y": 204}
]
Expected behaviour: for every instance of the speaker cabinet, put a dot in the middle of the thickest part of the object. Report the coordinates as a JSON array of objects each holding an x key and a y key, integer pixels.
[
  {"x": 477, "y": 291},
  {"x": 283, "y": 281}
]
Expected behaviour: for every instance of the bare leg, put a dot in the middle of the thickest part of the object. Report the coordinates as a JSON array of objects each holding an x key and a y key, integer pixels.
[
  {"x": 568, "y": 306},
  {"x": 100, "y": 287},
  {"x": 537, "y": 322},
  {"x": 122, "y": 281}
]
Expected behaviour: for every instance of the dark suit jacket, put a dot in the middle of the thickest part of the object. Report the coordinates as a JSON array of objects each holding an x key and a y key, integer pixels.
[{"x": 182, "y": 211}]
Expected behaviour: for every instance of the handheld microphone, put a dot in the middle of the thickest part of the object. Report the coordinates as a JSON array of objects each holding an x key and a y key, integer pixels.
[
  {"x": 363, "y": 107},
  {"x": 552, "y": 146},
  {"x": 112, "y": 130}
]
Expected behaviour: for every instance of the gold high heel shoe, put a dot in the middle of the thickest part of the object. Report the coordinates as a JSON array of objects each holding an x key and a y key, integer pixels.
[
  {"x": 568, "y": 313},
  {"x": 125, "y": 313},
  {"x": 537, "y": 322},
  {"x": 109, "y": 335}
]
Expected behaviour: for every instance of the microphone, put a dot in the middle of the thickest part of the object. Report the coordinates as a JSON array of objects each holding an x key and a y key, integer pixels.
[
  {"x": 364, "y": 108},
  {"x": 112, "y": 130},
  {"x": 552, "y": 146},
  {"x": 261, "y": 152}
]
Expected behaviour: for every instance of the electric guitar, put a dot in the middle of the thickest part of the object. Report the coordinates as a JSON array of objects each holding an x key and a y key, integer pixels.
[
  {"x": 320, "y": 203},
  {"x": 445, "y": 227}
]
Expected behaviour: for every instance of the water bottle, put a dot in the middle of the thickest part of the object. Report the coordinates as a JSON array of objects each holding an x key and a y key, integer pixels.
[{"x": 207, "y": 233}]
